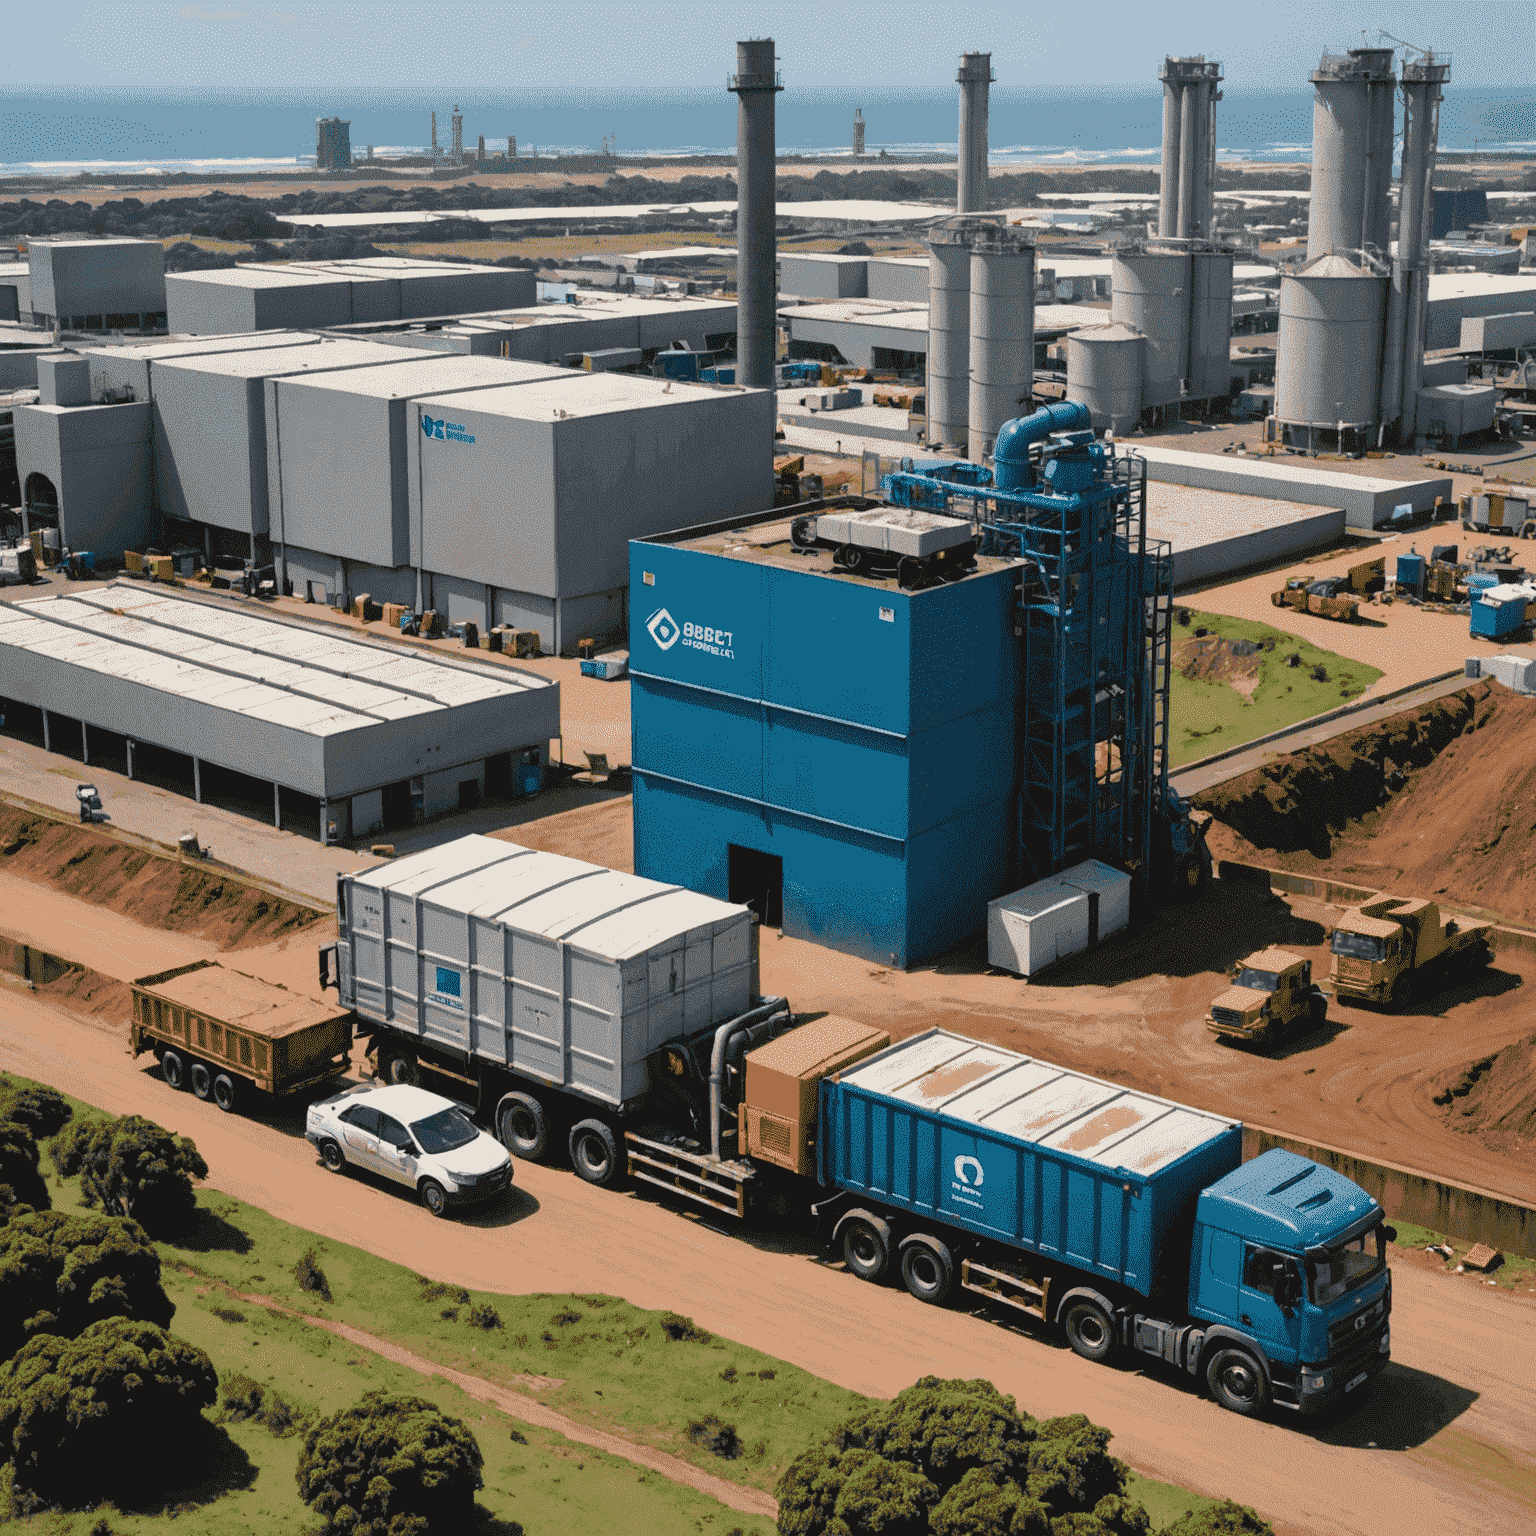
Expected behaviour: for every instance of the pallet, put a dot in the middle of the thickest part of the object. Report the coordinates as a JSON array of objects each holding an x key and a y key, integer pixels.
[
  {"x": 1017, "y": 1291},
  {"x": 707, "y": 1180}
]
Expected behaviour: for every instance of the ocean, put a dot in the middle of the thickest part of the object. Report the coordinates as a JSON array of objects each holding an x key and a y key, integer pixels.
[{"x": 62, "y": 131}]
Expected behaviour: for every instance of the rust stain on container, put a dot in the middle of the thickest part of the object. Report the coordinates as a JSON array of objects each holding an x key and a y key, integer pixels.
[
  {"x": 948, "y": 1080},
  {"x": 1118, "y": 1117}
]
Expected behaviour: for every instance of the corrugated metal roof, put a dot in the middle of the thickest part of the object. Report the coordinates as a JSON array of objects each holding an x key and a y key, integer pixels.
[{"x": 1012, "y": 1095}]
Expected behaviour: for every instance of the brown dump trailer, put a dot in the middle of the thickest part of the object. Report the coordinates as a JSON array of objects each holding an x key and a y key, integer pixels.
[{"x": 222, "y": 1033}]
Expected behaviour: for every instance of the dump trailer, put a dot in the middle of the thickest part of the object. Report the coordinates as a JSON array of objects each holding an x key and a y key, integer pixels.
[
  {"x": 222, "y": 1033},
  {"x": 1128, "y": 1221},
  {"x": 1368, "y": 576},
  {"x": 1394, "y": 948},
  {"x": 576, "y": 1002},
  {"x": 1272, "y": 995}
]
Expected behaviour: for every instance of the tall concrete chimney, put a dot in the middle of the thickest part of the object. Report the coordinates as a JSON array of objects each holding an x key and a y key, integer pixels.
[
  {"x": 975, "y": 79},
  {"x": 755, "y": 84},
  {"x": 1186, "y": 198}
]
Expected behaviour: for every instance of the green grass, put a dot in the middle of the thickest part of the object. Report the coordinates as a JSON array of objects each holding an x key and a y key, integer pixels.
[
  {"x": 1208, "y": 716},
  {"x": 1513, "y": 1274}
]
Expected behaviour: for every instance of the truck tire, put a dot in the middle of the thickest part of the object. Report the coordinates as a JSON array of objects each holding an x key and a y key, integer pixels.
[
  {"x": 1402, "y": 991},
  {"x": 595, "y": 1153},
  {"x": 398, "y": 1067},
  {"x": 173, "y": 1070},
  {"x": 332, "y": 1156},
  {"x": 202, "y": 1080},
  {"x": 225, "y": 1092},
  {"x": 1088, "y": 1328},
  {"x": 867, "y": 1247},
  {"x": 433, "y": 1196},
  {"x": 523, "y": 1126},
  {"x": 927, "y": 1270},
  {"x": 1237, "y": 1382},
  {"x": 1317, "y": 1012}
]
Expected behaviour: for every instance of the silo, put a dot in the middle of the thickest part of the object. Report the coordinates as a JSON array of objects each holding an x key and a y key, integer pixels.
[
  {"x": 1151, "y": 295},
  {"x": 1002, "y": 334},
  {"x": 1104, "y": 367},
  {"x": 1210, "y": 325},
  {"x": 949, "y": 336},
  {"x": 1328, "y": 355},
  {"x": 1351, "y": 152}
]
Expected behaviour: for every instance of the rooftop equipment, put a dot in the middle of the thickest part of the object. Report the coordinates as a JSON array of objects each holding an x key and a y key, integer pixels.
[
  {"x": 975, "y": 80},
  {"x": 755, "y": 84}
]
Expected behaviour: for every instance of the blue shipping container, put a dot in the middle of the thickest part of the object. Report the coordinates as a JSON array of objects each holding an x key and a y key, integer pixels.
[
  {"x": 1493, "y": 619},
  {"x": 1410, "y": 572},
  {"x": 1030, "y": 1155}
]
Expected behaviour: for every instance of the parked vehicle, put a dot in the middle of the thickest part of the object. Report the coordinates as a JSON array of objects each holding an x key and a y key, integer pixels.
[
  {"x": 1392, "y": 949},
  {"x": 1272, "y": 995},
  {"x": 222, "y": 1033},
  {"x": 411, "y": 1137}
]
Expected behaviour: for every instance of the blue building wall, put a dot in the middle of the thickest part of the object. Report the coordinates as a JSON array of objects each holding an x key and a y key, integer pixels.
[{"x": 864, "y": 735}]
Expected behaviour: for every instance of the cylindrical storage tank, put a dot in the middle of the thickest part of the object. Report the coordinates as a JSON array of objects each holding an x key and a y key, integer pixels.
[
  {"x": 1210, "y": 325},
  {"x": 1151, "y": 295},
  {"x": 1002, "y": 337},
  {"x": 1348, "y": 186},
  {"x": 1410, "y": 573},
  {"x": 1104, "y": 366},
  {"x": 949, "y": 341},
  {"x": 1328, "y": 352}
]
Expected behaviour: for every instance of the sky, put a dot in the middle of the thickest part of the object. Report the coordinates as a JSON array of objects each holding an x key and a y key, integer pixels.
[{"x": 689, "y": 44}]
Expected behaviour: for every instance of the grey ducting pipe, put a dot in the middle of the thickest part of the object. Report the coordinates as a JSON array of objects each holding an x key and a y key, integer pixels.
[{"x": 744, "y": 1021}]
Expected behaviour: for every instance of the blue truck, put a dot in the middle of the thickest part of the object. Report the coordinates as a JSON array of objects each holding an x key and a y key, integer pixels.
[{"x": 1128, "y": 1221}]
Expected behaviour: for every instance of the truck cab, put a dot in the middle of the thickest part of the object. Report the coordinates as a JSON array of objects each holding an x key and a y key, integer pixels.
[
  {"x": 1272, "y": 993},
  {"x": 1288, "y": 1275},
  {"x": 1385, "y": 949}
]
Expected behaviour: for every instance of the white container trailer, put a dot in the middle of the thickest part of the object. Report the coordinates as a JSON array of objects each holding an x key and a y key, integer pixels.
[
  {"x": 1109, "y": 896},
  {"x": 1031, "y": 929}
]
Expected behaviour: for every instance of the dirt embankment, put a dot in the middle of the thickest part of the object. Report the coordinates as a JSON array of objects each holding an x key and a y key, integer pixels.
[
  {"x": 1437, "y": 801},
  {"x": 76, "y": 987},
  {"x": 1494, "y": 1098},
  {"x": 157, "y": 890}
]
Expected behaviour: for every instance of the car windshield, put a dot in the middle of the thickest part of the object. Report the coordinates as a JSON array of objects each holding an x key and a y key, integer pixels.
[
  {"x": 1260, "y": 981},
  {"x": 1356, "y": 946},
  {"x": 1347, "y": 1267},
  {"x": 445, "y": 1131}
]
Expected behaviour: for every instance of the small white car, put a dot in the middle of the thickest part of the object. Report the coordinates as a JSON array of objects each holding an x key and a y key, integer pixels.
[{"x": 413, "y": 1137}]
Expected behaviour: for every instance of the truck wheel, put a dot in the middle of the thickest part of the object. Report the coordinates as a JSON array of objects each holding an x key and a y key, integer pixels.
[
  {"x": 595, "y": 1153},
  {"x": 224, "y": 1092},
  {"x": 433, "y": 1197},
  {"x": 202, "y": 1080},
  {"x": 399, "y": 1067},
  {"x": 1089, "y": 1330},
  {"x": 927, "y": 1270},
  {"x": 1317, "y": 1012},
  {"x": 173, "y": 1070},
  {"x": 333, "y": 1157},
  {"x": 1402, "y": 991},
  {"x": 1236, "y": 1382},
  {"x": 523, "y": 1126},
  {"x": 866, "y": 1249}
]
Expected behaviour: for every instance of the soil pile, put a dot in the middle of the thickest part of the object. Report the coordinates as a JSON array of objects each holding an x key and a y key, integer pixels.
[
  {"x": 1215, "y": 659},
  {"x": 1437, "y": 801},
  {"x": 1495, "y": 1097},
  {"x": 154, "y": 889},
  {"x": 76, "y": 987}
]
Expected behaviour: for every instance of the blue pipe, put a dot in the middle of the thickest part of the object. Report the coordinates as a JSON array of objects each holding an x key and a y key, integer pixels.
[{"x": 1010, "y": 453}]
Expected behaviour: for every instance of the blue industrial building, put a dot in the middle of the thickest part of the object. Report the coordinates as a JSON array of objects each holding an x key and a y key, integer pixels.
[{"x": 868, "y": 754}]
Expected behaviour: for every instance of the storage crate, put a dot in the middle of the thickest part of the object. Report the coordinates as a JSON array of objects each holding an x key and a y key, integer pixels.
[
  {"x": 607, "y": 667},
  {"x": 1030, "y": 929}
]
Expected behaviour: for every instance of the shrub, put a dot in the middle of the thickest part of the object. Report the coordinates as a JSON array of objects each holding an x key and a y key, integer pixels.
[
  {"x": 391, "y": 1465},
  {"x": 715, "y": 1436},
  {"x": 684, "y": 1329},
  {"x": 89, "y": 1418},
  {"x": 243, "y": 1399},
  {"x": 21, "y": 1184},
  {"x": 133, "y": 1167},
  {"x": 43, "y": 1111},
  {"x": 1225, "y": 1519},
  {"x": 60, "y": 1273},
  {"x": 486, "y": 1317},
  {"x": 310, "y": 1276}
]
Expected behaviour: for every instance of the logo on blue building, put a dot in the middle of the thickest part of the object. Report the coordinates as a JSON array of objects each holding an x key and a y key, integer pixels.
[
  {"x": 663, "y": 629},
  {"x": 445, "y": 431}
]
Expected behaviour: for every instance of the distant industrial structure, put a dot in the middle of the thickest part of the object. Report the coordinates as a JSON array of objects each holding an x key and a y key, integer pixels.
[
  {"x": 1186, "y": 196},
  {"x": 755, "y": 85},
  {"x": 458, "y": 134},
  {"x": 333, "y": 144},
  {"x": 975, "y": 80},
  {"x": 858, "y": 132}
]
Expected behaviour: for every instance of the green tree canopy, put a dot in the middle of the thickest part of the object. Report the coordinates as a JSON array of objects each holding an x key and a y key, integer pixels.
[
  {"x": 1225, "y": 1519},
  {"x": 60, "y": 1273},
  {"x": 43, "y": 1111},
  {"x": 104, "y": 1415},
  {"x": 21, "y": 1183},
  {"x": 133, "y": 1167},
  {"x": 390, "y": 1465}
]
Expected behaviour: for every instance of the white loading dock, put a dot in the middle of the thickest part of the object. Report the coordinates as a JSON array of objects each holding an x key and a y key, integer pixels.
[
  {"x": 350, "y": 723},
  {"x": 1214, "y": 534},
  {"x": 1367, "y": 501}
]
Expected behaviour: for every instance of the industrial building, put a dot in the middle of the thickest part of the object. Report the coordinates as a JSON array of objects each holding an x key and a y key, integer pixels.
[
  {"x": 338, "y": 728},
  {"x": 333, "y": 144},
  {"x": 1457, "y": 296},
  {"x": 85, "y": 284},
  {"x": 1214, "y": 533},
  {"x": 311, "y": 295}
]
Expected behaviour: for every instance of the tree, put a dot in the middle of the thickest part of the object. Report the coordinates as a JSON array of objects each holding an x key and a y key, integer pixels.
[
  {"x": 44, "y": 1111},
  {"x": 60, "y": 1273},
  {"x": 21, "y": 1184},
  {"x": 104, "y": 1415},
  {"x": 1224, "y": 1519},
  {"x": 390, "y": 1465},
  {"x": 133, "y": 1167},
  {"x": 957, "y": 1458}
]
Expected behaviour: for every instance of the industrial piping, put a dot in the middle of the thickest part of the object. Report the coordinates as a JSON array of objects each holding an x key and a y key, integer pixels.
[
  {"x": 767, "y": 1010},
  {"x": 1011, "y": 469},
  {"x": 975, "y": 79},
  {"x": 755, "y": 84}
]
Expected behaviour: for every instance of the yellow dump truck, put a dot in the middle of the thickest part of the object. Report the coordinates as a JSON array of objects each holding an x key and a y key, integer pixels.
[
  {"x": 222, "y": 1033},
  {"x": 1272, "y": 994},
  {"x": 1393, "y": 948}
]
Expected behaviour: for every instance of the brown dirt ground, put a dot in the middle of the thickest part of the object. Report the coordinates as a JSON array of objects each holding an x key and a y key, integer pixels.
[
  {"x": 1494, "y": 1098},
  {"x": 157, "y": 890},
  {"x": 80, "y": 989}
]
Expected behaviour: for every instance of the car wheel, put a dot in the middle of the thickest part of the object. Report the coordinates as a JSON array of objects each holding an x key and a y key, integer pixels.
[
  {"x": 333, "y": 1157},
  {"x": 523, "y": 1126},
  {"x": 173, "y": 1070},
  {"x": 434, "y": 1197},
  {"x": 595, "y": 1153},
  {"x": 224, "y": 1092},
  {"x": 1237, "y": 1382},
  {"x": 866, "y": 1250},
  {"x": 1089, "y": 1330},
  {"x": 928, "y": 1271},
  {"x": 202, "y": 1080}
]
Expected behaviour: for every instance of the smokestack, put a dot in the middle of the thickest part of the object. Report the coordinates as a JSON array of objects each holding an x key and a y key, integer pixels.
[
  {"x": 755, "y": 84},
  {"x": 1187, "y": 195},
  {"x": 1168, "y": 190},
  {"x": 975, "y": 79}
]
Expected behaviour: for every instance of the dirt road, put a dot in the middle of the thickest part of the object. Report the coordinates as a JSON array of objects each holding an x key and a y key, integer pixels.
[{"x": 1445, "y": 1443}]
